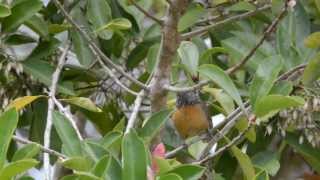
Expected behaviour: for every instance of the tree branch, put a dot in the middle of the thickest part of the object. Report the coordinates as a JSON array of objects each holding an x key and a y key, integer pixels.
[
  {"x": 53, "y": 87},
  {"x": 269, "y": 30},
  {"x": 133, "y": 117},
  {"x": 146, "y": 13},
  {"x": 42, "y": 148},
  {"x": 96, "y": 49},
  {"x": 205, "y": 29}
]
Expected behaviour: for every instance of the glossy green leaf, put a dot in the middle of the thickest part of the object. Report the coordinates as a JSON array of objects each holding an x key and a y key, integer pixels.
[
  {"x": 224, "y": 99},
  {"x": 94, "y": 150},
  {"x": 274, "y": 103},
  {"x": 265, "y": 77},
  {"x": 67, "y": 135},
  {"x": 313, "y": 40},
  {"x": 83, "y": 102},
  {"x": 27, "y": 151},
  {"x": 78, "y": 163},
  {"x": 100, "y": 168},
  {"x": 44, "y": 49},
  {"x": 139, "y": 53},
  {"x": 244, "y": 162},
  {"x": 133, "y": 151},
  {"x": 8, "y": 123},
  {"x": 43, "y": 71},
  {"x": 262, "y": 175},
  {"x": 282, "y": 88},
  {"x": 154, "y": 123},
  {"x": 17, "y": 167},
  {"x": 4, "y": 10},
  {"x": 170, "y": 176},
  {"x": 21, "y": 102},
  {"x": 242, "y": 6},
  {"x": 310, "y": 154},
  {"x": 312, "y": 71},
  {"x": 268, "y": 161},
  {"x": 99, "y": 14},
  {"x": 218, "y": 76},
  {"x": 86, "y": 176},
  {"x": 58, "y": 28},
  {"x": 110, "y": 138},
  {"x": 189, "y": 55},
  {"x": 38, "y": 25},
  {"x": 20, "y": 13},
  {"x": 191, "y": 16},
  {"x": 188, "y": 172},
  {"x": 19, "y": 39},
  {"x": 205, "y": 57},
  {"x": 152, "y": 57},
  {"x": 116, "y": 25}
]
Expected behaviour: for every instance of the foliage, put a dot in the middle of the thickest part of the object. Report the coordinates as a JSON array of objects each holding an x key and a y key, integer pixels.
[{"x": 126, "y": 44}]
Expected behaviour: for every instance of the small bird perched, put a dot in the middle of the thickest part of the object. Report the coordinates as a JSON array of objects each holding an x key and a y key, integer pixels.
[{"x": 191, "y": 117}]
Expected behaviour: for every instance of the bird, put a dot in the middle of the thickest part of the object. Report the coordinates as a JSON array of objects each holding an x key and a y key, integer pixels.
[{"x": 190, "y": 117}]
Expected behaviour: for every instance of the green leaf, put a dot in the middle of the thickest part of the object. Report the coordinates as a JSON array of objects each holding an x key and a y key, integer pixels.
[
  {"x": 152, "y": 57},
  {"x": 17, "y": 167},
  {"x": 86, "y": 176},
  {"x": 110, "y": 138},
  {"x": 267, "y": 161},
  {"x": 282, "y": 88},
  {"x": 133, "y": 151},
  {"x": 78, "y": 163},
  {"x": 189, "y": 56},
  {"x": 139, "y": 53},
  {"x": 4, "y": 11},
  {"x": 242, "y": 6},
  {"x": 265, "y": 77},
  {"x": 8, "y": 123},
  {"x": 310, "y": 154},
  {"x": 312, "y": 71},
  {"x": 244, "y": 162},
  {"x": 27, "y": 151},
  {"x": 218, "y": 76},
  {"x": 21, "y": 102},
  {"x": 154, "y": 123},
  {"x": 170, "y": 176},
  {"x": 99, "y": 14},
  {"x": 82, "y": 49},
  {"x": 67, "y": 135},
  {"x": 188, "y": 172},
  {"x": 116, "y": 25},
  {"x": 191, "y": 16},
  {"x": 83, "y": 102},
  {"x": 313, "y": 40},
  {"x": 20, "y": 13},
  {"x": 58, "y": 28},
  {"x": 224, "y": 99},
  {"x": 262, "y": 175},
  {"x": 205, "y": 57},
  {"x": 43, "y": 72},
  {"x": 101, "y": 167},
  {"x": 275, "y": 103},
  {"x": 19, "y": 39},
  {"x": 38, "y": 25},
  {"x": 43, "y": 50}
]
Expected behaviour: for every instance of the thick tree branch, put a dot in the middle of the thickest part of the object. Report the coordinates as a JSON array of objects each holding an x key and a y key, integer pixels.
[
  {"x": 95, "y": 48},
  {"x": 146, "y": 13},
  {"x": 268, "y": 31},
  {"x": 42, "y": 148},
  {"x": 133, "y": 117},
  {"x": 169, "y": 44},
  {"x": 53, "y": 87},
  {"x": 205, "y": 29}
]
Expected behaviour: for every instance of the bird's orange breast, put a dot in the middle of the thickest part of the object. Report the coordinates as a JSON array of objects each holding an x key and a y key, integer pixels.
[{"x": 190, "y": 120}]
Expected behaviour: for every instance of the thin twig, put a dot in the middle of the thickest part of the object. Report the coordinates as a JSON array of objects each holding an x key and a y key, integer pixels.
[
  {"x": 133, "y": 117},
  {"x": 114, "y": 77},
  {"x": 184, "y": 89},
  {"x": 269, "y": 30},
  {"x": 42, "y": 148},
  {"x": 205, "y": 29},
  {"x": 96, "y": 49},
  {"x": 69, "y": 116},
  {"x": 53, "y": 87},
  {"x": 146, "y": 13},
  {"x": 222, "y": 149}
]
